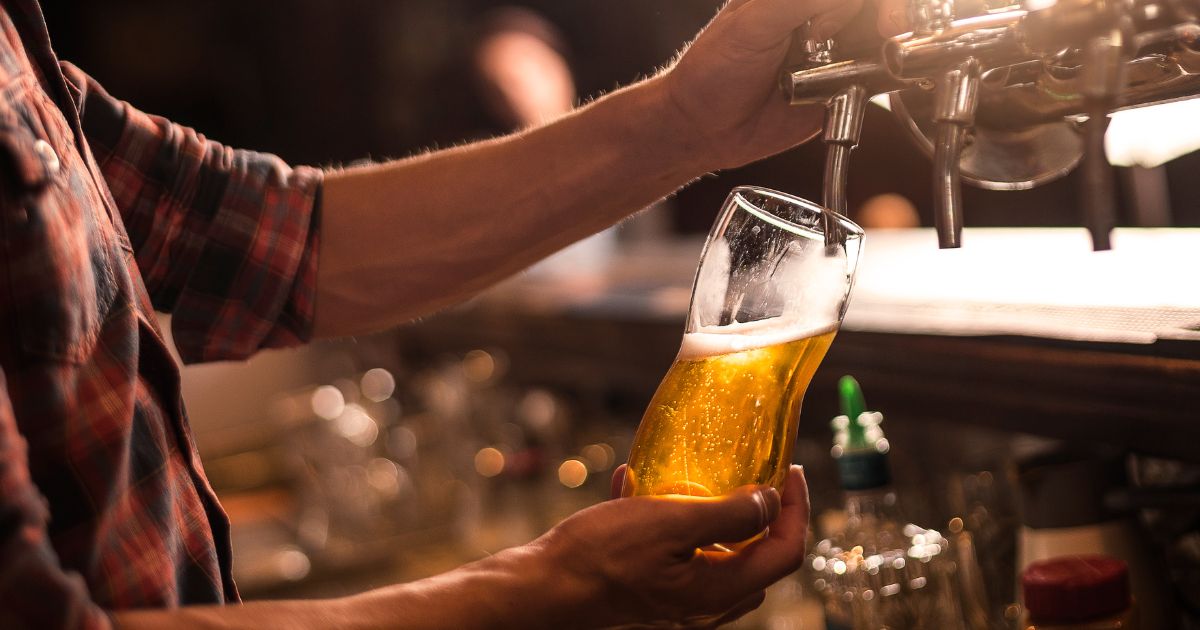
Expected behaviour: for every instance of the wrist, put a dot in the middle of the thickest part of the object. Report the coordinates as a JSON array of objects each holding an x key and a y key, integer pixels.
[
  {"x": 536, "y": 588},
  {"x": 523, "y": 587},
  {"x": 663, "y": 130}
]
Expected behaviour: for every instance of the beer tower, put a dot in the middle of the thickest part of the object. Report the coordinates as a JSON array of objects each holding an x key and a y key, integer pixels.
[{"x": 1004, "y": 96}]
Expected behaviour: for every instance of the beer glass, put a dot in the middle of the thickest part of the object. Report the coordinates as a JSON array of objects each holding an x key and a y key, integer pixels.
[{"x": 772, "y": 286}]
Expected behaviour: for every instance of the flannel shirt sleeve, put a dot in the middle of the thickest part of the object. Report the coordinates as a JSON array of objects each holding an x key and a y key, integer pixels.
[
  {"x": 226, "y": 240},
  {"x": 35, "y": 591}
]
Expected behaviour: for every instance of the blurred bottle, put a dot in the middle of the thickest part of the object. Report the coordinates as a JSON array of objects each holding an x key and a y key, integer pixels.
[
  {"x": 1068, "y": 508},
  {"x": 1078, "y": 593},
  {"x": 879, "y": 571}
]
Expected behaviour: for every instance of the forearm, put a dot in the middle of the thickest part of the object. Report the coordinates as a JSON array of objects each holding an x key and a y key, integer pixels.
[
  {"x": 333, "y": 613},
  {"x": 507, "y": 590},
  {"x": 405, "y": 238},
  {"x": 516, "y": 588}
]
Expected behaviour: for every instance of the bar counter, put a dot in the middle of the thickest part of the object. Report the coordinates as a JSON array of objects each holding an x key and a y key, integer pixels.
[{"x": 1022, "y": 330}]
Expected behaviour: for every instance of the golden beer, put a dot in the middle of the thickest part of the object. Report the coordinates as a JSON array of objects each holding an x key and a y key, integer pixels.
[
  {"x": 771, "y": 289},
  {"x": 727, "y": 412}
]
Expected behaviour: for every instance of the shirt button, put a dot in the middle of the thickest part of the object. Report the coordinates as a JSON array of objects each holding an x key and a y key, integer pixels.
[{"x": 49, "y": 157}]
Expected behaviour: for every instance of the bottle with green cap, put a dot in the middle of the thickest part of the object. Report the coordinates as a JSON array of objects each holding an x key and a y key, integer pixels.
[
  {"x": 878, "y": 570},
  {"x": 858, "y": 444}
]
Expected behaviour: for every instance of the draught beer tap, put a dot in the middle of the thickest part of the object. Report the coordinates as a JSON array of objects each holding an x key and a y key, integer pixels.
[
  {"x": 1005, "y": 96},
  {"x": 844, "y": 112},
  {"x": 1101, "y": 80},
  {"x": 843, "y": 130},
  {"x": 956, "y": 97},
  {"x": 955, "y": 101}
]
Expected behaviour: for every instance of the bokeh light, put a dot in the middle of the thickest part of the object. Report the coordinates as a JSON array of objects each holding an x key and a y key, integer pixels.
[
  {"x": 572, "y": 473},
  {"x": 489, "y": 462},
  {"x": 377, "y": 385},
  {"x": 327, "y": 402}
]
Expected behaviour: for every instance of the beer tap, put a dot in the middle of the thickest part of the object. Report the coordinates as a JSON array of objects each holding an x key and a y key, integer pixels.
[
  {"x": 844, "y": 112},
  {"x": 843, "y": 130},
  {"x": 1101, "y": 80},
  {"x": 956, "y": 98},
  {"x": 1002, "y": 95}
]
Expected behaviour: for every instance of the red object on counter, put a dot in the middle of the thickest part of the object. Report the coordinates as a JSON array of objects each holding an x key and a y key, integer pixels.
[{"x": 1072, "y": 589}]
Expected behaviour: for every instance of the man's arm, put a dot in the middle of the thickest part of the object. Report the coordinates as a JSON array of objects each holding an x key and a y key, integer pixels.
[
  {"x": 627, "y": 561},
  {"x": 225, "y": 239},
  {"x": 402, "y": 239}
]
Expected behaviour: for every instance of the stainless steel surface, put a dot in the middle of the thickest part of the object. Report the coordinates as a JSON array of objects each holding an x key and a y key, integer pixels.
[
  {"x": 1101, "y": 81},
  {"x": 947, "y": 198},
  {"x": 1044, "y": 70},
  {"x": 993, "y": 39},
  {"x": 843, "y": 129},
  {"x": 955, "y": 100},
  {"x": 928, "y": 16}
]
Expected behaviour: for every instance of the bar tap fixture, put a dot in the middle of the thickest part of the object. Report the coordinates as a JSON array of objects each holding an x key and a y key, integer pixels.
[
  {"x": 1100, "y": 83},
  {"x": 1005, "y": 96},
  {"x": 843, "y": 130},
  {"x": 844, "y": 111},
  {"x": 956, "y": 99}
]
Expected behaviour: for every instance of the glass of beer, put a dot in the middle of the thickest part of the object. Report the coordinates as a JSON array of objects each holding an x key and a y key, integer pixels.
[{"x": 773, "y": 284}]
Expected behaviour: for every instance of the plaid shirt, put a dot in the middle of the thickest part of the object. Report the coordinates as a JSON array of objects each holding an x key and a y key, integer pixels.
[{"x": 107, "y": 214}]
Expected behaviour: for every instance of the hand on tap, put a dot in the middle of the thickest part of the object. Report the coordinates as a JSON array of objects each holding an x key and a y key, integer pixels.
[
  {"x": 892, "y": 18},
  {"x": 724, "y": 87}
]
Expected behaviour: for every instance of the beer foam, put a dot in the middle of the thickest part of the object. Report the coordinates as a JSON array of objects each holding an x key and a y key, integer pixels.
[{"x": 712, "y": 341}]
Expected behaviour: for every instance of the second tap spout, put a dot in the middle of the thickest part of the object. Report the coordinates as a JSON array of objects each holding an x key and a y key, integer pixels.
[
  {"x": 956, "y": 99},
  {"x": 843, "y": 130}
]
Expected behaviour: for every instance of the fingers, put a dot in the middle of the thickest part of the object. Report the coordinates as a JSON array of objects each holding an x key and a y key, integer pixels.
[
  {"x": 768, "y": 22},
  {"x": 766, "y": 561},
  {"x": 795, "y": 494},
  {"x": 826, "y": 25},
  {"x": 737, "y": 516},
  {"x": 617, "y": 485}
]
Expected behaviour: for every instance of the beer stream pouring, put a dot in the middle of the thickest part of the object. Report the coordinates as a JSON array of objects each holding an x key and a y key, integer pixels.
[{"x": 1003, "y": 96}]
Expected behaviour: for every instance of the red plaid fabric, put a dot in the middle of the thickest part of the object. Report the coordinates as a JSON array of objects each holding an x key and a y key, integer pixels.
[{"x": 105, "y": 215}]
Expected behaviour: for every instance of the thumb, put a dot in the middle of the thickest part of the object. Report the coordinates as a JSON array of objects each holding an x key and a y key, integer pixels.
[
  {"x": 617, "y": 484},
  {"x": 742, "y": 514},
  {"x": 892, "y": 18}
]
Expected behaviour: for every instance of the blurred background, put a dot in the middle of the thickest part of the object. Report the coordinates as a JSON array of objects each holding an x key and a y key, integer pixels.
[{"x": 352, "y": 464}]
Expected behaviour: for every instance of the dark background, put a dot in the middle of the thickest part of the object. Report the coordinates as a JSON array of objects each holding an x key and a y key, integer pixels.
[{"x": 323, "y": 82}]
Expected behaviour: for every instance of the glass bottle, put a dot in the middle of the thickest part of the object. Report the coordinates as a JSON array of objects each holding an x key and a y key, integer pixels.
[{"x": 879, "y": 570}]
